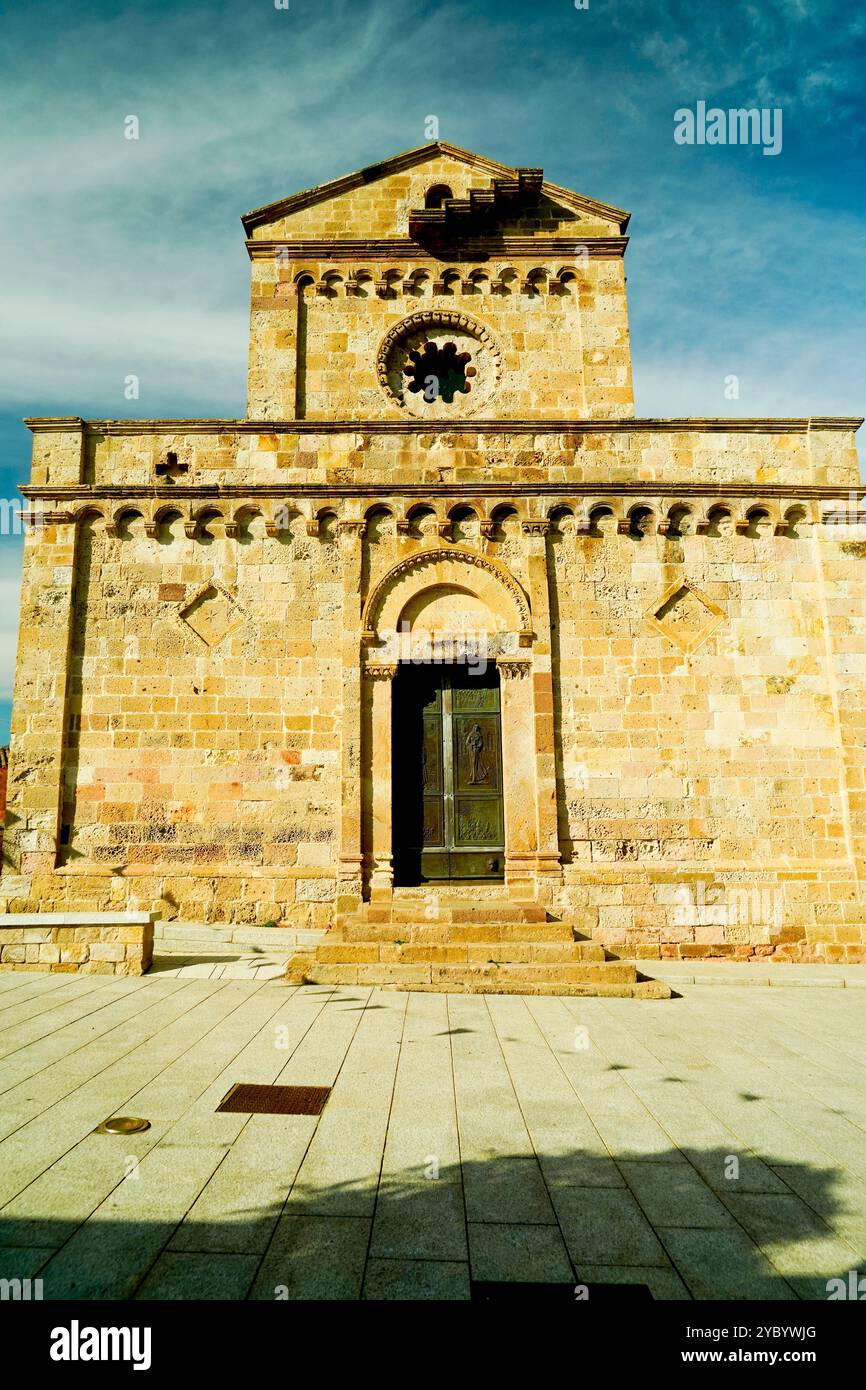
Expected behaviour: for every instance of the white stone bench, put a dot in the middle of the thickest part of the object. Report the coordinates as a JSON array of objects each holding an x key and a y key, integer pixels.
[{"x": 91, "y": 943}]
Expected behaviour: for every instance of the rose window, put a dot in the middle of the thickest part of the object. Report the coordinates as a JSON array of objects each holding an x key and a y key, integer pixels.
[{"x": 439, "y": 371}]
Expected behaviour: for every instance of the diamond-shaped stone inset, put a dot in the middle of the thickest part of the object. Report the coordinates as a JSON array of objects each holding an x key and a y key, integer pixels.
[
  {"x": 212, "y": 614},
  {"x": 685, "y": 616}
]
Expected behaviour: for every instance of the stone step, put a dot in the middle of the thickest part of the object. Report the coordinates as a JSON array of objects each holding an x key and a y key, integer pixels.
[
  {"x": 443, "y": 932},
  {"x": 400, "y": 970},
  {"x": 445, "y": 911},
  {"x": 612, "y": 980},
  {"x": 463, "y": 912},
  {"x": 454, "y": 951}
]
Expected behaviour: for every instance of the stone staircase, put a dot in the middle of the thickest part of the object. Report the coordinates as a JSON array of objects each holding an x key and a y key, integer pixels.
[{"x": 466, "y": 946}]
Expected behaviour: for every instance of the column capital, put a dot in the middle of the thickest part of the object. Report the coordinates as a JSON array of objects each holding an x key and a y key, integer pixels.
[{"x": 512, "y": 670}]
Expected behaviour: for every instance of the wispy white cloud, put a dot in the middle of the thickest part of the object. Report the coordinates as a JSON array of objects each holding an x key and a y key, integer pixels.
[{"x": 126, "y": 256}]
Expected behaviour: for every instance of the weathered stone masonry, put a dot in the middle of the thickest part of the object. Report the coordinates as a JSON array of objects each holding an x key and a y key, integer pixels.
[{"x": 201, "y": 722}]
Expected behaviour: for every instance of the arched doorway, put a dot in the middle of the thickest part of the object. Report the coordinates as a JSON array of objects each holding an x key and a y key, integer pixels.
[
  {"x": 434, "y": 611},
  {"x": 448, "y": 818}
]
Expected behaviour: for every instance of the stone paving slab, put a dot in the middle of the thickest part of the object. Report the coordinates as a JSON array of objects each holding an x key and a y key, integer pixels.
[
  {"x": 714, "y": 1147},
  {"x": 778, "y": 974}
]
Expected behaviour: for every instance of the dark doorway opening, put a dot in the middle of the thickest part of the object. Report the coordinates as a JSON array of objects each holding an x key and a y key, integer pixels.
[{"x": 448, "y": 815}]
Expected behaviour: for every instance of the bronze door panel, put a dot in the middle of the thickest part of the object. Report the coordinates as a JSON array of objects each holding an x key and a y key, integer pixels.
[{"x": 476, "y": 754}]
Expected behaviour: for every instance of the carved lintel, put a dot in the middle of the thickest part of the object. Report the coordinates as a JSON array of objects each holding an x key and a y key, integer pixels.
[{"x": 385, "y": 672}]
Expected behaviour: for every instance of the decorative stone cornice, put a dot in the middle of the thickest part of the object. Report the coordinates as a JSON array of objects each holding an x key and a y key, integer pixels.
[
  {"x": 400, "y": 249},
  {"x": 520, "y": 425},
  {"x": 382, "y": 672}
]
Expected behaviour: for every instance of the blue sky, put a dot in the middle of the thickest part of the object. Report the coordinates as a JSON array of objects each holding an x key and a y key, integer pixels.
[{"x": 121, "y": 256}]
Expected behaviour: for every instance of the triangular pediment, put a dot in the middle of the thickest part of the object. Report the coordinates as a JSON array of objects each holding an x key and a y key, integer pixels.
[{"x": 389, "y": 199}]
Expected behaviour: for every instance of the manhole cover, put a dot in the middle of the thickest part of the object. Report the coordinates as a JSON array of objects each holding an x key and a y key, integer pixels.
[
  {"x": 122, "y": 1124},
  {"x": 275, "y": 1100}
]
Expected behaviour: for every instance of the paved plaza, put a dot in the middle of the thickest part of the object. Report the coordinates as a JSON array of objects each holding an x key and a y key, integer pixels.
[{"x": 710, "y": 1146}]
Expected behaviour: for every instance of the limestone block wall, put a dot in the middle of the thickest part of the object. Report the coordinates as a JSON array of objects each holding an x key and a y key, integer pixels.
[
  {"x": 559, "y": 327},
  {"x": 398, "y": 456},
  {"x": 723, "y": 753},
  {"x": 709, "y": 786},
  {"x": 201, "y": 730},
  {"x": 77, "y": 943},
  {"x": 222, "y": 653},
  {"x": 188, "y": 707}
]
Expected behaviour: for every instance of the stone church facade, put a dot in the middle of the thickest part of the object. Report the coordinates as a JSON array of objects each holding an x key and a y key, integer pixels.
[{"x": 440, "y": 619}]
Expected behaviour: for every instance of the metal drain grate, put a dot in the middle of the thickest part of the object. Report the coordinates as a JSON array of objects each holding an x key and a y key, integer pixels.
[{"x": 247, "y": 1099}]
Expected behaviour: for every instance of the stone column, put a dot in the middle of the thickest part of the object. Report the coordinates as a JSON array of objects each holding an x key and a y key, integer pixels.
[
  {"x": 350, "y": 886},
  {"x": 518, "y": 755},
  {"x": 548, "y": 870},
  {"x": 39, "y": 717},
  {"x": 380, "y": 678}
]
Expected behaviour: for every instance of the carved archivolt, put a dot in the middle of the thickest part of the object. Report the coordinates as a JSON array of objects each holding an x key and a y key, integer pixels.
[{"x": 450, "y": 562}]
